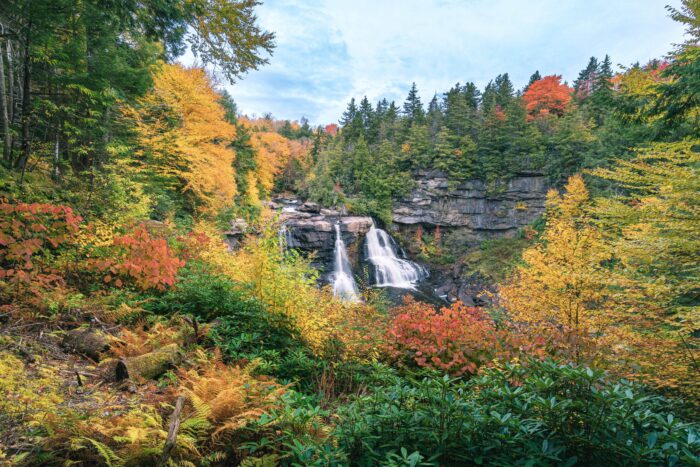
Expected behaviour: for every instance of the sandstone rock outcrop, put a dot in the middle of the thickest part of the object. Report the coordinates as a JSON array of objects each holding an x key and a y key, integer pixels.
[{"x": 470, "y": 206}]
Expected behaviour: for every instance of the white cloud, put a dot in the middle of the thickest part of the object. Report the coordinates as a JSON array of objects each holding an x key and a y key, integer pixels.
[{"x": 331, "y": 50}]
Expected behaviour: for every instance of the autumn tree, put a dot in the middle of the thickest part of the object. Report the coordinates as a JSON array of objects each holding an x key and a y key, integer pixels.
[
  {"x": 654, "y": 235},
  {"x": 183, "y": 136},
  {"x": 562, "y": 281},
  {"x": 547, "y": 96}
]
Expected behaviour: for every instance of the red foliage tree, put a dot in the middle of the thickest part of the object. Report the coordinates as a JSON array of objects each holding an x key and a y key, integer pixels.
[
  {"x": 547, "y": 96},
  {"x": 28, "y": 235},
  {"x": 331, "y": 129}
]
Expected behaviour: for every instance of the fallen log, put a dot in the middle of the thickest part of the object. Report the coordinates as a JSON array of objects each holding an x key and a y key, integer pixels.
[
  {"x": 89, "y": 342},
  {"x": 149, "y": 365}
]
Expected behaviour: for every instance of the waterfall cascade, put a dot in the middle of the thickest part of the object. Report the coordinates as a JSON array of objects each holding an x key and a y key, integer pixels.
[
  {"x": 389, "y": 269},
  {"x": 343, "y": 283},
  {"x": 285, "y": 238}
]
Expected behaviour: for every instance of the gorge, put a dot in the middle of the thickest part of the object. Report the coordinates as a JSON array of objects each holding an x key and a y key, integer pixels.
[{"x": 342, "y": 245}]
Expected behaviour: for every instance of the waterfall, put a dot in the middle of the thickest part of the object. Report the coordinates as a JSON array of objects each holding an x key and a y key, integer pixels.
[
  {"x": 389, "y": 269},
  {"x": 285, "y": 238},
  {"x": 343, "y": 282}
]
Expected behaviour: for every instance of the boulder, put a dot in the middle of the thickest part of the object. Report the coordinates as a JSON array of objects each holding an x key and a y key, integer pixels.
[{"x": 309, "y": 206}]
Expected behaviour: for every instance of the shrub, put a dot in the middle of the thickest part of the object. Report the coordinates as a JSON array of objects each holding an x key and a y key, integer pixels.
[
  {"x": 540, "y": 413},
  {"x": 229, "y": 398},
  {"x": 298, "y": 432},
  {"x": 29, "y": 233},
  {"x": 456, "y": 340},
  {"x": 243, "y": 328},
  {"x": 140, "y": 260}
]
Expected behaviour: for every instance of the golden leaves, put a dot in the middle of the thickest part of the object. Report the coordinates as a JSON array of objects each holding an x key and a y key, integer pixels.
[{"x": 185, "y": 137}]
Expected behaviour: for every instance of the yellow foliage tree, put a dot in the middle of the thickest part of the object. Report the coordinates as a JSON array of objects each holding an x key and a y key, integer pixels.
[
  {"x": 184, "y": 136},
  {"x": 562, "y": 282},
  {"x": 654, "y": 235},
  {"x": 273, "y": 154}
]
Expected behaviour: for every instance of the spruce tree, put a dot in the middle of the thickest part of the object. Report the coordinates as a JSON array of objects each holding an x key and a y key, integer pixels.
[
  {"x": 413, "y": 107},
  {"x": 435, "y": 116},
  {"x": 351, "y": 122},
  {"x": 504, "y": 90},
  {"x": 534, "y": 77},
  {"x": 585, "y": 83}
]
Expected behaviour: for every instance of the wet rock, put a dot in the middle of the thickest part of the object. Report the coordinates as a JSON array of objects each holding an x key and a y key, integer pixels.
[
  {"x": 315, "y": 234},
  {"x": 310, "y": 206}
]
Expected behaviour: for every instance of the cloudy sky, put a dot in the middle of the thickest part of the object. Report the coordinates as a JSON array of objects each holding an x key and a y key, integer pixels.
[{"x": 331, "y": 50}]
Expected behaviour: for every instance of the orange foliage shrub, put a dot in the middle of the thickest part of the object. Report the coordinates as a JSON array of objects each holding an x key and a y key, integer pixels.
[
  {"x": 139, "y": 259},
  {"x": 457, "y": 339},
  {"x": 28, "y": 233},
  {"x": 547, "y": 96}
]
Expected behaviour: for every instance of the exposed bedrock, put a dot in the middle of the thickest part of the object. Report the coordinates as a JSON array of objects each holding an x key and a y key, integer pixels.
[
  {"x": 479, "y": 213},
  {"x": 315, "y": 233}
]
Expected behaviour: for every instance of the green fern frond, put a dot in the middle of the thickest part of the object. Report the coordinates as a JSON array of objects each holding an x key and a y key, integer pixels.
[{"x": 109, "y": 456}]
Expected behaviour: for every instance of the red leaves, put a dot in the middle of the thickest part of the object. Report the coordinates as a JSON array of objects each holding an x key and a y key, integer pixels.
[
  {"x": 26, "y": 232},
  {"x": 457, "y": 339},
  {"x": 146, "y": 262},
  {"x": 547, "y": 96}
]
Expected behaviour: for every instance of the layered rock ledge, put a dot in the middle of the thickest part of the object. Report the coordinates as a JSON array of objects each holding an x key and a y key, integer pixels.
[{"x": 471, "y": 206}]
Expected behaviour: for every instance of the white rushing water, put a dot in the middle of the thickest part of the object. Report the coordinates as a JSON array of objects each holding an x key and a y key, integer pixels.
[
  {"x": 285, "y": 238},
  {"x": 343, "y": 283},
  {"x": 389, "y": 269}
]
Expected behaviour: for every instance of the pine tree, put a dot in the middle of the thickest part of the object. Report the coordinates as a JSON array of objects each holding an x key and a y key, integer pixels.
[
  {"x": 369, "y": 120},
  {"x": 351, "y": 122},
  {"x": 390, "y": 121},
  {"x": 504, "y": 90},
  {"x": 534, "y": 77},
  {"x": 349, "y": 114},
  {"x": 366, "y": 112},
  {"x": 454, "y": 156},
  {"x": 435, "y": 116},
  {"x": 585, "y": 83},
  {"x": 472, "y": 95},
  {"x": 488, "y": 98},
  {"x": 413, "y": 108},
  {"x": 601, "y": 99},
  {"x": 415, "y": 151},
  {"x": 458, "y": 112}
]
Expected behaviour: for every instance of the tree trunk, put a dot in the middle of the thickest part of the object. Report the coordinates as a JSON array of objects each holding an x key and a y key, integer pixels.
[
  {"x": 56, "y": 172},
  {"x": 172, "y": 432},
  {"x": 90, "y": 342},
  {"x": 10, "y": 82},
  {"x": 4, "y": 115},
  {"x": 148, "y": 366},
  {"x": 26, "y": 107}
]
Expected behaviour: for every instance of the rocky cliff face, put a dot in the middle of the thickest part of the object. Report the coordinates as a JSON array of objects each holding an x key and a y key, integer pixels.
[{"x": 470, "y": 207}]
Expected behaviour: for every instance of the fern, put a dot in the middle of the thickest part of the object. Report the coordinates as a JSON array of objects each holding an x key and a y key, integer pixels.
[{"x": 109, "y": 456}]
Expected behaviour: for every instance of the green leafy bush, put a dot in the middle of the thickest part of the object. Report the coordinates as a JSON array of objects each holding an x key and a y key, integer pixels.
[
  {"x": 241, "y": 325},
  {"x": 297, "y": 433},
  {"x": 541, "y": 413}
]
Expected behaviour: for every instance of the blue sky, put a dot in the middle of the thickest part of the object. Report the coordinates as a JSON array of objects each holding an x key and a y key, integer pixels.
[{"x": 331, "y": 50}]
